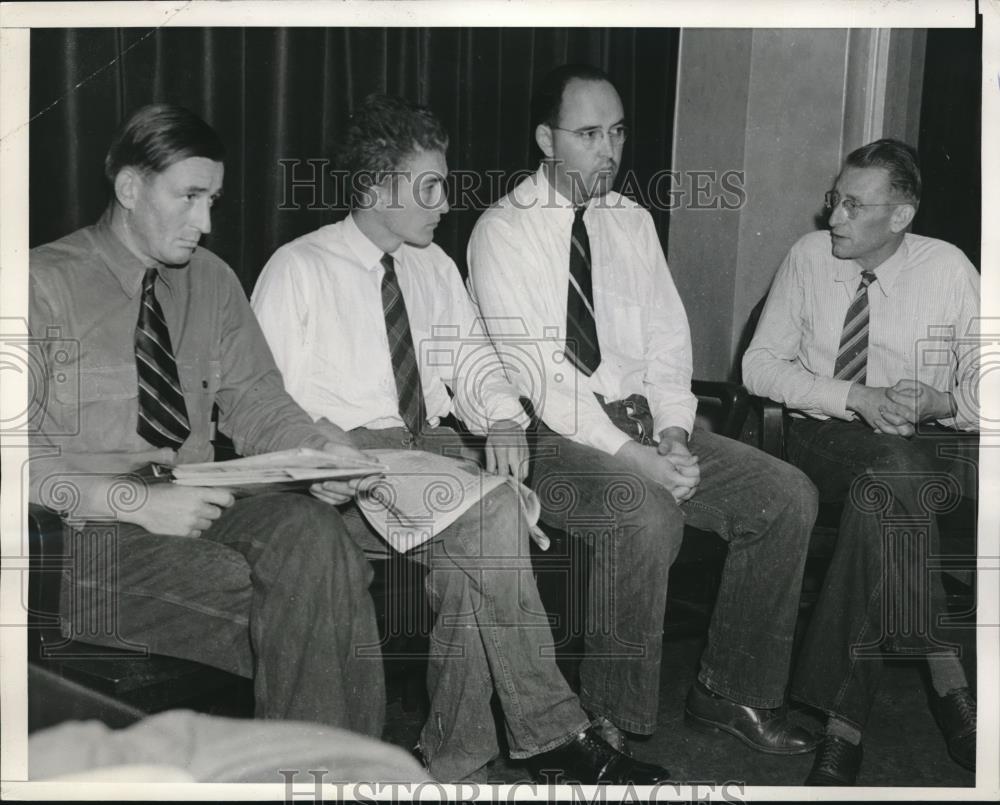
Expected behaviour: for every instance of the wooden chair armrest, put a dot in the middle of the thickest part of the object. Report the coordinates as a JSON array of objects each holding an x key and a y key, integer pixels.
[
  {"x": 46, "y": 561},
  {"x": 730, "y": 401},
  {"x": 772, "y": 425}
]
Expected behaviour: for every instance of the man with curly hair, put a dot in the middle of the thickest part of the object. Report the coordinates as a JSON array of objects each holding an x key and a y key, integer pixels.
[{"x": 362, "y": 316}]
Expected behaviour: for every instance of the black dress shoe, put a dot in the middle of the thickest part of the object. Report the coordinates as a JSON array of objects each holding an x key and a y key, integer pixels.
[
  {"x": 766, "y": 730},
  {"x": 837, "y": 762},
  {"x": 956, "y": 715},
  {"x": 590, "y": 760}
]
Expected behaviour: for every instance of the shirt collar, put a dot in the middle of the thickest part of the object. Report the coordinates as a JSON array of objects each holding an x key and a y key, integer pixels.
[
  {"x": 368, "y": 254},
  {"x": 126, "y": 267},
  {"x": 848, "y": 271},
  {"x": 551, "y": 200}
]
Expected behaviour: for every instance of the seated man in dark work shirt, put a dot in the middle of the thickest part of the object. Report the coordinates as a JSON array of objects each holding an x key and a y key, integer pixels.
[{"x": 270, "y": 586}]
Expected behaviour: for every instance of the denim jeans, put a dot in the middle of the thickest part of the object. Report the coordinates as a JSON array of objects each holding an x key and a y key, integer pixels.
[
  {"x": 491, "y": 634},
  {"x": 763, "y": 507},
  {"x": 210, "y": 749},
  {"x": 878, "y": 595},
  {"x": 275, "y": 590}
]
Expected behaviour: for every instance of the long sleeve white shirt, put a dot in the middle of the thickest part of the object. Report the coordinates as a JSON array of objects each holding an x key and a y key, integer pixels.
[
  {"x": 923, "y": 325},
  {"x": 319, "y": 303},
  {"x": 519, "y": 275}
]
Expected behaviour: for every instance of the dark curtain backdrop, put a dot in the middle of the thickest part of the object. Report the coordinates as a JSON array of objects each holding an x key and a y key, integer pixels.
[
  {"x": 284, "y": 94},
  {"x": 950, "y": 138}
]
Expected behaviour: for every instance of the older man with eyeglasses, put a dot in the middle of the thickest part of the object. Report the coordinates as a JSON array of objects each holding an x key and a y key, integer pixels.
[
  {"x": 868, "y": 336},
  {"x": 567, "y": 264}
]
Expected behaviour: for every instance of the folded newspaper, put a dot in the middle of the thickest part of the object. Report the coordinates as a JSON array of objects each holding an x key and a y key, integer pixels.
[
  {"x": 281, "y": 470},
  {"x": 421, "y": 494},
  {"x": 416, "y": 496}
]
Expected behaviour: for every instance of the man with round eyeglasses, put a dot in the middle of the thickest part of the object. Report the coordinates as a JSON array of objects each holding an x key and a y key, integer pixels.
[
  {"x": 868, "y": 337},
  {"x": 617, "y": 461}
]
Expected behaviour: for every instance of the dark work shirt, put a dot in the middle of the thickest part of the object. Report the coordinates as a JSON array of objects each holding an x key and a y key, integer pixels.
[{"x": 85, "y": 293}]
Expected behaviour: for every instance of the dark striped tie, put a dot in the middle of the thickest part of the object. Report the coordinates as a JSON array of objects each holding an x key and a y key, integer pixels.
[
  {"x": 404, "y": 358},
  {"x": 852, "y": 357},
  {"x": 582, "y": 345},
  {"x": 163, "y": 418}
]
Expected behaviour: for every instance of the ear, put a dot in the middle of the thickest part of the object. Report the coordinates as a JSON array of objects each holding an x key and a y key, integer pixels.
[
  {"x": 127, "y": 186},
  {"x": 901, "y": 217},
  {"x": 543, "y": 136}
]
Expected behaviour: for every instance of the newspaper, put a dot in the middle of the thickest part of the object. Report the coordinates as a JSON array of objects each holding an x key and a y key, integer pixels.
[
  {"x": 282, "y": 470},
  {"x": 421, "y": 494}
]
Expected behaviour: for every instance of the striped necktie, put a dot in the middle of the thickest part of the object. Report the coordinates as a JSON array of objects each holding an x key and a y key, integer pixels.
[
  {"x": 852, "y": 357},
  {"x": 163, "y": 419},
  {"x": 582, "y": 345},
  {"x": 404, "y": 358}
]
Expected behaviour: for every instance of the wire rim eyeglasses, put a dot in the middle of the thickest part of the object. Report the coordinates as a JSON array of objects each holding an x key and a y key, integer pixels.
[
  {"x": 832, "y": 199},
  {"x": 593, "y": 135}
]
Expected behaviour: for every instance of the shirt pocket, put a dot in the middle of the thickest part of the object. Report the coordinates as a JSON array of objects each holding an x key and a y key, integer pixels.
[
  {"x": 200, "y": 380},
  {"x": 627, "y": 325},
  {"x": 101, "y": 408}
]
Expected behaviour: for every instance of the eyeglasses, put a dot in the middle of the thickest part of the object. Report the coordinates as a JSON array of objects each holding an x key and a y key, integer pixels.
[
  {"x": 832, "y": 200},
  {"x": 591, "y": 136}
]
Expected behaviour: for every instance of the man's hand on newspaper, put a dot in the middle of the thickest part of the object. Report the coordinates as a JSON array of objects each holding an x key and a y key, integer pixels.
[
  {"x": 180, "y": 511},
  {"x": 507, "y": 449},
  {"x": 337, "y": 493}
]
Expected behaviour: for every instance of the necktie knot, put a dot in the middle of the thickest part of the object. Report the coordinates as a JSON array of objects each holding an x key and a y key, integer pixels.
[
  {"x": 388, "y": 263},
  {"x": 867, "y": 278},
  {"x": 578, "y": 214},
  {"x": 148, "y": 281}
]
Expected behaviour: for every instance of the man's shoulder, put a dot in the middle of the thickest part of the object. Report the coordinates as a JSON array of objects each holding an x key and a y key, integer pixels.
[
  {"x": 319, "y": 245},
  {"x": 71, "y": 250},
  {"x": 623, "y": 213},
  {"x": 513, "y": 208},
  {"x": 936, "y": 254},
  {"x": 615, "y": 202}
]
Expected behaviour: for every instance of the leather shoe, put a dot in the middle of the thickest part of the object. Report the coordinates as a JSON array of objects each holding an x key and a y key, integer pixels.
[
  {"x": 590, "y": 760},
  {"x": 764, "y": 729},
  {"x": 837, "y": 762},
  {"x": 956, "y": 715}
]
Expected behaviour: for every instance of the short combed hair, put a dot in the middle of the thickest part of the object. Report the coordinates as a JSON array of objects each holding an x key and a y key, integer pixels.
[
  {"x": 546, "y": 101},
  {"x": 383, "y": 133},
  {"x": 157, "y": 136},
  {"x": 898, "y": 159}
]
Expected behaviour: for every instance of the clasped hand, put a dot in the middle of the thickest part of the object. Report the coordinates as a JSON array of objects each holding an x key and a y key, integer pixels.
[
  {"x": 670, "y": 464},
  {"x": 899, "y": 408}
]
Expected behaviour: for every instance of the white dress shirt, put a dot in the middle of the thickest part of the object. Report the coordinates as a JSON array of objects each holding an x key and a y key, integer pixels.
[
  {"x": 519, "y": 273},
  {"x": 923, "y": 325},
  {"x": 319, "y": 303}
]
